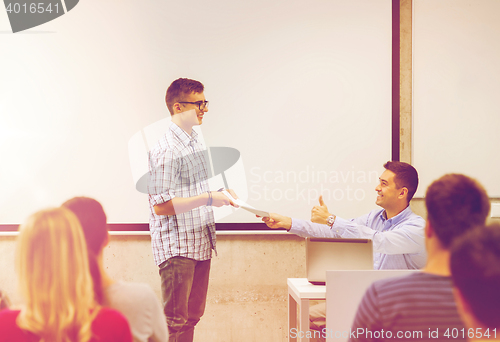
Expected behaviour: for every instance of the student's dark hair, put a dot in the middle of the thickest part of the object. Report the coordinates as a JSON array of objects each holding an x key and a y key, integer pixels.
[
  {"x": 406, "y": 176},
  {"x": 455, "y": 203},
  {"x": 475, "y": 269},
  {"x": 178, "y": 90},
  {"x": 93, "y": 221}
]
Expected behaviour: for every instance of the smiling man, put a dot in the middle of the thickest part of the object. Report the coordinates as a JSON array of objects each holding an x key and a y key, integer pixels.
[
  {"x": 420, "y": 307},
  {"x": 397, "y": 233},
  {"x": 181, "y": 218}
]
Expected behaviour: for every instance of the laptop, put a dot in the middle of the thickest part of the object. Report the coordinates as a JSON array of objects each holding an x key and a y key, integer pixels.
[{"x": 325, "y": 254}]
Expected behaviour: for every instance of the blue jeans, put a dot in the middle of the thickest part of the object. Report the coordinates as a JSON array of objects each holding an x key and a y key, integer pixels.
[{"x": 184, "y": 285}]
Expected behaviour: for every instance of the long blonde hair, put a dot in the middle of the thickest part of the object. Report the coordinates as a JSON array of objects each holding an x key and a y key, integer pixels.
[{"x": 54, "y": 278}]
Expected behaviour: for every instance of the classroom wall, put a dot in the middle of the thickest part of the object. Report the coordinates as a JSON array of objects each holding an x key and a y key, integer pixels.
[{"x": 247, "y": 299}]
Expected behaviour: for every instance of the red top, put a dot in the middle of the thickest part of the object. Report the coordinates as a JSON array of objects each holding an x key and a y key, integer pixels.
[{"x": 108, "y": 326}]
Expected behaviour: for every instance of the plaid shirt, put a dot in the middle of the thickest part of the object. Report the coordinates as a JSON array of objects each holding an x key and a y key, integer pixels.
[{"x": 178, "y": 167}]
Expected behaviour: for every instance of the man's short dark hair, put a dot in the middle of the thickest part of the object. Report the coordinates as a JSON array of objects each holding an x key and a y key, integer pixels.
[
  {"x": 405, "y": 176},
  {"x": 455, "y": 203},
  {"x": 178, "y": 90},
  {"x": 475, "y": 269}
]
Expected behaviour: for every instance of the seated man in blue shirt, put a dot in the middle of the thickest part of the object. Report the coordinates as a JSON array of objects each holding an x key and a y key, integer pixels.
[
  {"x": 397, "y": 233},
  {"x": 420, "y": 307}
]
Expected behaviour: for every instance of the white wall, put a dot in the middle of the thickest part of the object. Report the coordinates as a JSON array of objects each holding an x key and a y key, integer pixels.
[{"x": 455, "y": 92}]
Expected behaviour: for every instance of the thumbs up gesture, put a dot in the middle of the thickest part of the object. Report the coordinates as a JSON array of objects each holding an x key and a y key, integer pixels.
[{"x": 319, "y": 213}]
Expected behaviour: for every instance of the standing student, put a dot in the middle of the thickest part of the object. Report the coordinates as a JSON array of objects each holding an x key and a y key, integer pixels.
[
  {"x": 181, "y": 220},
  {"x": 136, "y": 301},
  {"x": 56, "y": 284}
]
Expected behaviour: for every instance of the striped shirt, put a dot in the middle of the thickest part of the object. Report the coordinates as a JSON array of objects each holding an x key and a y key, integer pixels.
[
  {"x": 178, "y": 167},
  {"x": 398, "y": 242},
  {"x": 419, "y": 307}
]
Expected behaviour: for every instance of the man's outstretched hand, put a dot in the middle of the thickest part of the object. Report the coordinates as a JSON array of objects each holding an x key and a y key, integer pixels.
[{"x": 278, "y": 221}]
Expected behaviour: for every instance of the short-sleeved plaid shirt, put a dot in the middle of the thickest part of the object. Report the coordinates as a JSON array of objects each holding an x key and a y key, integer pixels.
[{"x": 178, "y": 167}]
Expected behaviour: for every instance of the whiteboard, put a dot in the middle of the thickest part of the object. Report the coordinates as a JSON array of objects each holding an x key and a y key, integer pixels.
[
  {"x": 301, "y": 89},
  {"x": 456, "y": 112}
]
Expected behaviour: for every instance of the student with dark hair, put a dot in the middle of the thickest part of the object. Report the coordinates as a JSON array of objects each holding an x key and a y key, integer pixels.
[
  {"x": 136, "y": 301},
  {"x": 475, "y": 270},
  {"x": 56, "y": 284},
  {"x": 420, "y": 307}
]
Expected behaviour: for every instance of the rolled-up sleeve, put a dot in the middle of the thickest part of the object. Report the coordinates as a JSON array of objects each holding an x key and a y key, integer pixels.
[{"x": 163, "y": 178}]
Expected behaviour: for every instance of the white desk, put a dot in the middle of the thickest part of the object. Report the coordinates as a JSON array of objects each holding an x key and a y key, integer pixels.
[{"x": 300, "y": 291}]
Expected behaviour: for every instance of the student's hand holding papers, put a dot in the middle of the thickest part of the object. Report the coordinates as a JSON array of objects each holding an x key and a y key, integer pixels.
[
  {"x": 278, "y": 221},
  {"x": 232, "y": 193},
  {"x": 226, "y": 197}
]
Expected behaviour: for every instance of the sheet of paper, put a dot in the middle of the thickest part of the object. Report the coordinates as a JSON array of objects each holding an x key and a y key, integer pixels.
[{"x": 247, "y": 207}]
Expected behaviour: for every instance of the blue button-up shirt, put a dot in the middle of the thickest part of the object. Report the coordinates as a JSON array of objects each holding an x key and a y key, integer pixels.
[{"x": 398, "y": 242}]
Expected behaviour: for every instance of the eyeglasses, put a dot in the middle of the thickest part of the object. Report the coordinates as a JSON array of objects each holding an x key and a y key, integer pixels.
[{"x": 201, "y": 104}]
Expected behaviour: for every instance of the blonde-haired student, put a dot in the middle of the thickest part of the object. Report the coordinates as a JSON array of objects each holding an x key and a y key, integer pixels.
[{"x": 55, "y": 281}]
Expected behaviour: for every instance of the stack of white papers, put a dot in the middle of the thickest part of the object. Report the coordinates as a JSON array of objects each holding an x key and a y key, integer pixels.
[{"x": 247, "y": 207}]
